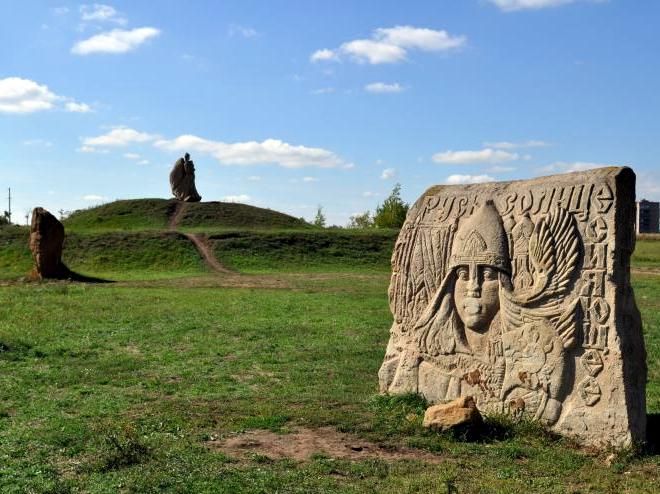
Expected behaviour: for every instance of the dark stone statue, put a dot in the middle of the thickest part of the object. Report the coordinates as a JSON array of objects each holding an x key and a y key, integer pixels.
[{"x": 182, "y": 180}]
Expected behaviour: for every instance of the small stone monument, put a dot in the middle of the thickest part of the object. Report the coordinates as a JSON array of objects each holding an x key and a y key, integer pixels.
[
  {"x": 518, "y": 294},
  {"x": 182, "y": 180},
  {"x": 46, "y": 241}
]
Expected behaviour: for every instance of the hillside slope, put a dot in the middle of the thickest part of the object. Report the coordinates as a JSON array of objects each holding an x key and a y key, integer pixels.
[{"x": 154, "y": 214}]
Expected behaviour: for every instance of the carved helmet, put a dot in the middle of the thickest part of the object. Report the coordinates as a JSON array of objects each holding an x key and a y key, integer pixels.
[{"x": 481, "y": 239}]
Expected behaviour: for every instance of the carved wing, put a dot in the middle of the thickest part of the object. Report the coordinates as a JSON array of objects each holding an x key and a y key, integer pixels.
[
  {"x": 553, "y": 253},
  {"x": 566, "y": 325}
]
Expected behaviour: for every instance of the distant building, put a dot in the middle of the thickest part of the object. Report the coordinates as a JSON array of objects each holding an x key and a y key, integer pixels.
[{"x": 648, "y": 214}]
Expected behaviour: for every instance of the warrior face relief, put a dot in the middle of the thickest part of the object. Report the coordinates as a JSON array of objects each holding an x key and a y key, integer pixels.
[
  {"x": 476, "y": 295},
  {"x": 479, "y": 336}
]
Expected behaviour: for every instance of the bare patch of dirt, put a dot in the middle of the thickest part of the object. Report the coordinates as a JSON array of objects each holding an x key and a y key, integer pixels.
[
  {"x": 177, "y": 214},
  {"x": 202, "y": 246},
  {"x": 303, "y": 443}
]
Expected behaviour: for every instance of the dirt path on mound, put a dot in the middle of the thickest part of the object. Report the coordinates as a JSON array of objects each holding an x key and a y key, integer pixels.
[
  {"x": 199, "y": 240},
  {"x": 177, "y": 214},
  {"x": 302, "y": 444},
  {"x": 204, "y": 249}
]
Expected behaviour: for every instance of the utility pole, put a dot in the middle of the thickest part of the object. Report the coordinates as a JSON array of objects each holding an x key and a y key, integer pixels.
[{"x": 9, "y": 210}]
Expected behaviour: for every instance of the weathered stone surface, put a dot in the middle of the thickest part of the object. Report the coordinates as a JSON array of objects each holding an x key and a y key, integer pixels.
[
  {"x": 46, "y": 241},
  {"x": 518, "y": 293},
  {"x": 182, "y": 180},
  {"x": 459, "y": 412}
]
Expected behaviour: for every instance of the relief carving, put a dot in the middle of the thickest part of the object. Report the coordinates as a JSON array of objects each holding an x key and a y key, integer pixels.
[{"x": 505, "y": 295}]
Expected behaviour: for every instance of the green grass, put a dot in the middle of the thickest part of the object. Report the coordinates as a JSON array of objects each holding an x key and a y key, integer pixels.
[
  {"x": 123, "y": 387},
  {"x": 313, "y": 251},
  {"x": 647, "y": 252},
  {"x": 125, "y": 256},
  {"x": 154, "y": 214},
  {"x": 119, "y": 388},
  {"x": 123, "y": 215}
]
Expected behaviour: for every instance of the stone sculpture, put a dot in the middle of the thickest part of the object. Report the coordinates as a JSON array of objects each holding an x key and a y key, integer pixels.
[
  {"x": 518, "y": 294},
  {"x": 182, "y": 180},
  {"x": 46, "y": 241}
]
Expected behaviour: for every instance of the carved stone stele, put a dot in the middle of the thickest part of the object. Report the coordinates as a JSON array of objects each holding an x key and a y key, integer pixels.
[
  {"x": 518, "y": 294},
  {"x": 46, "y": 241},
  {"x": 182, "y": 180}
]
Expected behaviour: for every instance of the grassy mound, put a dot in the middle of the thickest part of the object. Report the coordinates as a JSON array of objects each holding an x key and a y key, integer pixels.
[
  {"x": 154, "y": 214},
  {"x": 212, "y": 215},
  {"x": 112, "y": 255},
  {"x": 125, "y": 256},
  {"x": 305, "y": 251}
]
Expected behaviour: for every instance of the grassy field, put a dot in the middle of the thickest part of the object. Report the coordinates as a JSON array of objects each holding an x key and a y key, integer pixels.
[{"x": 135, "y": 386}]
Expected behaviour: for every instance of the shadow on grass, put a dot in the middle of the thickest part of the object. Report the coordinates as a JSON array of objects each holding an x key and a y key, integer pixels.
[
  {"x": 652, "y": 446},
  {"x": 402, "y": 415},
  {"x": 63, "y": 273},
  {"x": 73, "y": 276}
]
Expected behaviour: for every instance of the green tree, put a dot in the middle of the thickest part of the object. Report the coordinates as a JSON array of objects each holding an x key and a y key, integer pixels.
[
  {"x": 363, "y": 220},
  {"x": 392, "y": 213},
  {"x": 319, "y": 219}
]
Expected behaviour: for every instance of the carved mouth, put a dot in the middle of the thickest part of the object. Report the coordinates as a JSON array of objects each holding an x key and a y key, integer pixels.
[{"x": 472, "y": 307}]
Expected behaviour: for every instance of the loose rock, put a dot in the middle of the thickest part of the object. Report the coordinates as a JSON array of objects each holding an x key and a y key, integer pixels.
[{"x": 461, "y": 412}]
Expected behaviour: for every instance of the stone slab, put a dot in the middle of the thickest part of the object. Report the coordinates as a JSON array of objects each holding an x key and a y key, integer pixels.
[{"x": 518, "y": 293}]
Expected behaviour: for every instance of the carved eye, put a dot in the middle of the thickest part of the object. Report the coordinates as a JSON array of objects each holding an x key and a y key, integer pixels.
[
  {"x": 490, "y": 274},
  {"x": 462, "y": 274}
]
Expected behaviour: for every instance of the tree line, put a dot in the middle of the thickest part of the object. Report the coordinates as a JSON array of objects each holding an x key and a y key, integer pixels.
[{"x": 390, "y": 214}]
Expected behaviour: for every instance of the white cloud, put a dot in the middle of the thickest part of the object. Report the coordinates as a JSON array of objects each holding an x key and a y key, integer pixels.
[
  {"x": 90, "y": 149},
  {"x": 383, "y": 87},
  {"x": 419, "y": 38},
  {"x": 391, "y": 45},
  {"x": 516, "y": 145},
  {"x": 512, "y": 5},
  {"x": 115, "y": 41},
  {"x": 243, "y": 31},
  {"x": 348, "y": 166},
  {"x": 38, "y": 142},
  {"x": 143, "y": 162},
  {"x": 254, "y": 178},
  {"x": 253, "y": 152},
  {"x": 574, "y": 166},
  {"x": 324, "y": 90},
  {"x": 100, "y": 13},
  {"x": 118, "y": 136},
  {"x": 374, "y": 52},
  {"x": 93, "y": 197},
  {"x": 19, "y": 95},
  {"x": 25, "y": 96},
  {"x": 468, "y": 179},
  {"x": 237, "y": 198},
  {"x": 60, "y": 10},
  {"x": 310, "y": 179},
  {"x": 370, "y": 194},
  {"x": 132, "y": 156},
  {"x": 487, "y": 155},
  {"x": 74, "y": 107},
  {"x": 388, "y": 173},
  {"x": 324, "y": 55}
]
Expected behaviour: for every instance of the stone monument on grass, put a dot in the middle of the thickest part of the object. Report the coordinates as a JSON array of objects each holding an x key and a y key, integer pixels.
[
  {"x": 46, "y": 241},
  {"x": 182, "y": 180},
  {"x": 518, "y": 294}
]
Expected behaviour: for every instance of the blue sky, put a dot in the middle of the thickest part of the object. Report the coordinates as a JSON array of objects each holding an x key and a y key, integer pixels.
[{"x": 294, "y": 104}]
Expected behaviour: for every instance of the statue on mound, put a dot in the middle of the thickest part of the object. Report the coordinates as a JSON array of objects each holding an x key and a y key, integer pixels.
[{"x": 182, "y": 180}]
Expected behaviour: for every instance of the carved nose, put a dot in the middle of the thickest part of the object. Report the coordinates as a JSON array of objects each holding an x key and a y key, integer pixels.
[{"x": 473, "y": 289}]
